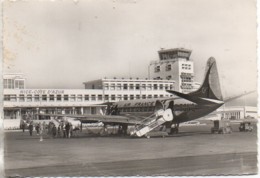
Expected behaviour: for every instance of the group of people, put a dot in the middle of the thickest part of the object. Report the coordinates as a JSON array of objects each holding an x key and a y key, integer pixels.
[{"x": 64, "y": 129}]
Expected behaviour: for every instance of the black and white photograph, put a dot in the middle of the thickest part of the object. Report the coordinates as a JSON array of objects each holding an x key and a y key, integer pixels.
[{"x": 107, "y": 88}]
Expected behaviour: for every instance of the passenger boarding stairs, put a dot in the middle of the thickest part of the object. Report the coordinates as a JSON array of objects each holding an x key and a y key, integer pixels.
[{"x": 152, "y": 122}]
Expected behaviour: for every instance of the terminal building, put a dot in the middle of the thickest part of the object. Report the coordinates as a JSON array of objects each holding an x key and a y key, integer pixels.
[{"x": 20, "y": 102}]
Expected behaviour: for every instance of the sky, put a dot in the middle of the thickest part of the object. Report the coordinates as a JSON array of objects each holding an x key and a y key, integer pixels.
[{"x": 61, "y": 44}]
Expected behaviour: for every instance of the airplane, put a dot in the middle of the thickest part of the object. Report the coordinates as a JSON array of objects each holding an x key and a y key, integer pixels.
[{"x": 148, "y": 114}]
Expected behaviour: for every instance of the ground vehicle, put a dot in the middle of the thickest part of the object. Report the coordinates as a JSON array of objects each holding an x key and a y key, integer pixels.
[
  {"x": 245, "y": 127},
  {"x": 221, "y": 126}
]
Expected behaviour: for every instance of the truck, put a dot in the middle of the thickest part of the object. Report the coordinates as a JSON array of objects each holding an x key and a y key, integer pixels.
[
  {"x": 246, "y": 127},
  {"x": 221, "y": 127}
]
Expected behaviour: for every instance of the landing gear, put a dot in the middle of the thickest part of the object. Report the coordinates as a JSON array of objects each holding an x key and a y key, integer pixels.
[
  {"x": 175, "y": 129},
  {"x": 122, "y": 129}
]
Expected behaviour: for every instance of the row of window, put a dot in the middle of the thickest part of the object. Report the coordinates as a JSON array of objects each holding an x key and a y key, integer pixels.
[
  {"x": 138, "y": 86},
  {"x": 168, "y": 67},
  {"x": 13, "y": 84},
  {"x": 179, "y": 107},
  {"x": 186, "y": 66},
  {"x": 37, "y": 98}
]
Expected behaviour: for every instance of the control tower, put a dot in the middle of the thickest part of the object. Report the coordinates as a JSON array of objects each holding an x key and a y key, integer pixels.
[{"x": 174, "y": 64}]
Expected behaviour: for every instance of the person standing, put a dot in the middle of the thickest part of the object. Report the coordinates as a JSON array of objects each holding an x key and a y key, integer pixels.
[
  {"x": 41, "y": 131},
  {"x": 67, "y": 128},
  {"x": 31, "y": 128},
  {"x": 37, "y": 128}
]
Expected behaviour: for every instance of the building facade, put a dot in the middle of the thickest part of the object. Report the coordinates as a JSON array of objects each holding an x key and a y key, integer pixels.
[{"x": 21, "y": 102}]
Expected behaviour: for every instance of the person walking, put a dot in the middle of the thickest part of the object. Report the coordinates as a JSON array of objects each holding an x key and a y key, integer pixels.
[{"x": 37, "y": 128}]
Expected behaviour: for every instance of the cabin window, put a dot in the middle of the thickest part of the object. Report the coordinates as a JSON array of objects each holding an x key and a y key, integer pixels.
[
  {"x": 137, "y": 96},
  {"x": 143, "y": 96},
  {"x": 131, "y": 97},
  {"x": 119, "y": 97},
  {"x": 149, "y": 96},
  {"x": 150, "y": 108},
  {"x": 125, "y": 97},
  {"x": 137, "y": 87},
  {"x": 155, "y": 96},
  {"x": 106, "y": 97}
]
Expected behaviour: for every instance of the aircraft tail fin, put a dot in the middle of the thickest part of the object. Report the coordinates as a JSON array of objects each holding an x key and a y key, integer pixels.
[{"x": 211, "y": 87}]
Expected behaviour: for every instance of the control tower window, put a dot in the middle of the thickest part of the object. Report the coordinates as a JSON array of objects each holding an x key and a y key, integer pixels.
[
  {"x": 157, "y": 69},
  {"x": 168, "y": 67},
  {"x": 169, "y": 77}
]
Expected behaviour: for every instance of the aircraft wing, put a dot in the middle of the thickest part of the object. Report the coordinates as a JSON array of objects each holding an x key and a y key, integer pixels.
[{"x": 109, "y": 119}]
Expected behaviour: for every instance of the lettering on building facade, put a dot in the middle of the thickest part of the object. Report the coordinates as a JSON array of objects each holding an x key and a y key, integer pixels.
[{"x": 42, "y": 92}]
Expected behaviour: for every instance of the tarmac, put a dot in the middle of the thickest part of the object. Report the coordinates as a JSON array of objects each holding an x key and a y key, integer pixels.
[{"x": 192, "y": 152}]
